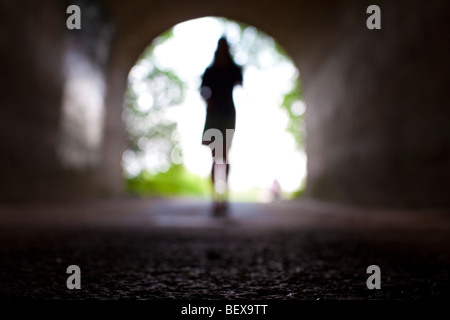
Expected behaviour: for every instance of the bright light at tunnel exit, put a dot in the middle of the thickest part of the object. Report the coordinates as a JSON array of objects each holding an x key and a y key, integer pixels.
[{"x": 262, "y": 150}]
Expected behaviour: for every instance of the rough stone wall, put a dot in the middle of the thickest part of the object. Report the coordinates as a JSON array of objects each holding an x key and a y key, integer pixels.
[
  {"x": 378, "y": 117},
  {"x": 31, "y": 84},
  {"x": 52, "y": 96}
]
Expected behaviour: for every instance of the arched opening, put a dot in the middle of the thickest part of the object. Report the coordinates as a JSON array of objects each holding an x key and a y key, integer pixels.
[{"x": 164, "y": 115}]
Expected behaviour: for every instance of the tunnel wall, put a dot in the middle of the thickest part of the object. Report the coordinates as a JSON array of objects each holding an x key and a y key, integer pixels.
[
  {"x": 52, "y": 102},
  {"x": 31, "y": 91},
  {"x": 377, "y": 116}
]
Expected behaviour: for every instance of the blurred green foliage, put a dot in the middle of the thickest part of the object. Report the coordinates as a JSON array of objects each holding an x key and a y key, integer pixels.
[
  {"x": 149, "y": 129},
  {"x": 145, "y": 123},
  {"x": 296, "y": 120},
  {"x": 175, "y": 181}
]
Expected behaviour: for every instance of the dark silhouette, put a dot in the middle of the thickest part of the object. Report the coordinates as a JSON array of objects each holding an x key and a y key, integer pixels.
[{"x": 218, "y": 82}]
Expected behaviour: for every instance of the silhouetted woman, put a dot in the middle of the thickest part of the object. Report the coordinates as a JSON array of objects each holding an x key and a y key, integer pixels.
[{"x": 218, "y": 82}]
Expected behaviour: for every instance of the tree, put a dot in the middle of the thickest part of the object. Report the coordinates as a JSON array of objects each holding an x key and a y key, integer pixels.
[{"x": 151, "y": 91}]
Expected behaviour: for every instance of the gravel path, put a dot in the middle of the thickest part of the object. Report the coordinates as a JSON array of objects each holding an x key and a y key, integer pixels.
[{"x": 286, "y": 261}]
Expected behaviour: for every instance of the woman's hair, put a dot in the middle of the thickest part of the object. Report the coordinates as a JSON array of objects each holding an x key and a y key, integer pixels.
[{"x": 223, "y": 51}]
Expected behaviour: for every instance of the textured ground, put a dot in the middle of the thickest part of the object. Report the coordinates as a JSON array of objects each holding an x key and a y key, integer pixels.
[{"x": 130, "y": 249}]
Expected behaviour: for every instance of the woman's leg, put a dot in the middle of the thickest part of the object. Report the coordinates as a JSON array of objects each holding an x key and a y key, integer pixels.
[
  {"x": 213, "y": 177},
  {"x": 226, "y": 169}
]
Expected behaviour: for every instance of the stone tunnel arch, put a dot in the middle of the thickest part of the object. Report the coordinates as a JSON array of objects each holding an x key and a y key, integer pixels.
[
  {"x": 364, "y": 89},
  {"x": 130, "y": 44}
]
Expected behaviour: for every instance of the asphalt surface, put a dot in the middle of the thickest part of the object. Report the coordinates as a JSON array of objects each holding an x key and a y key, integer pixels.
[{"x": 132, "y": 249}]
